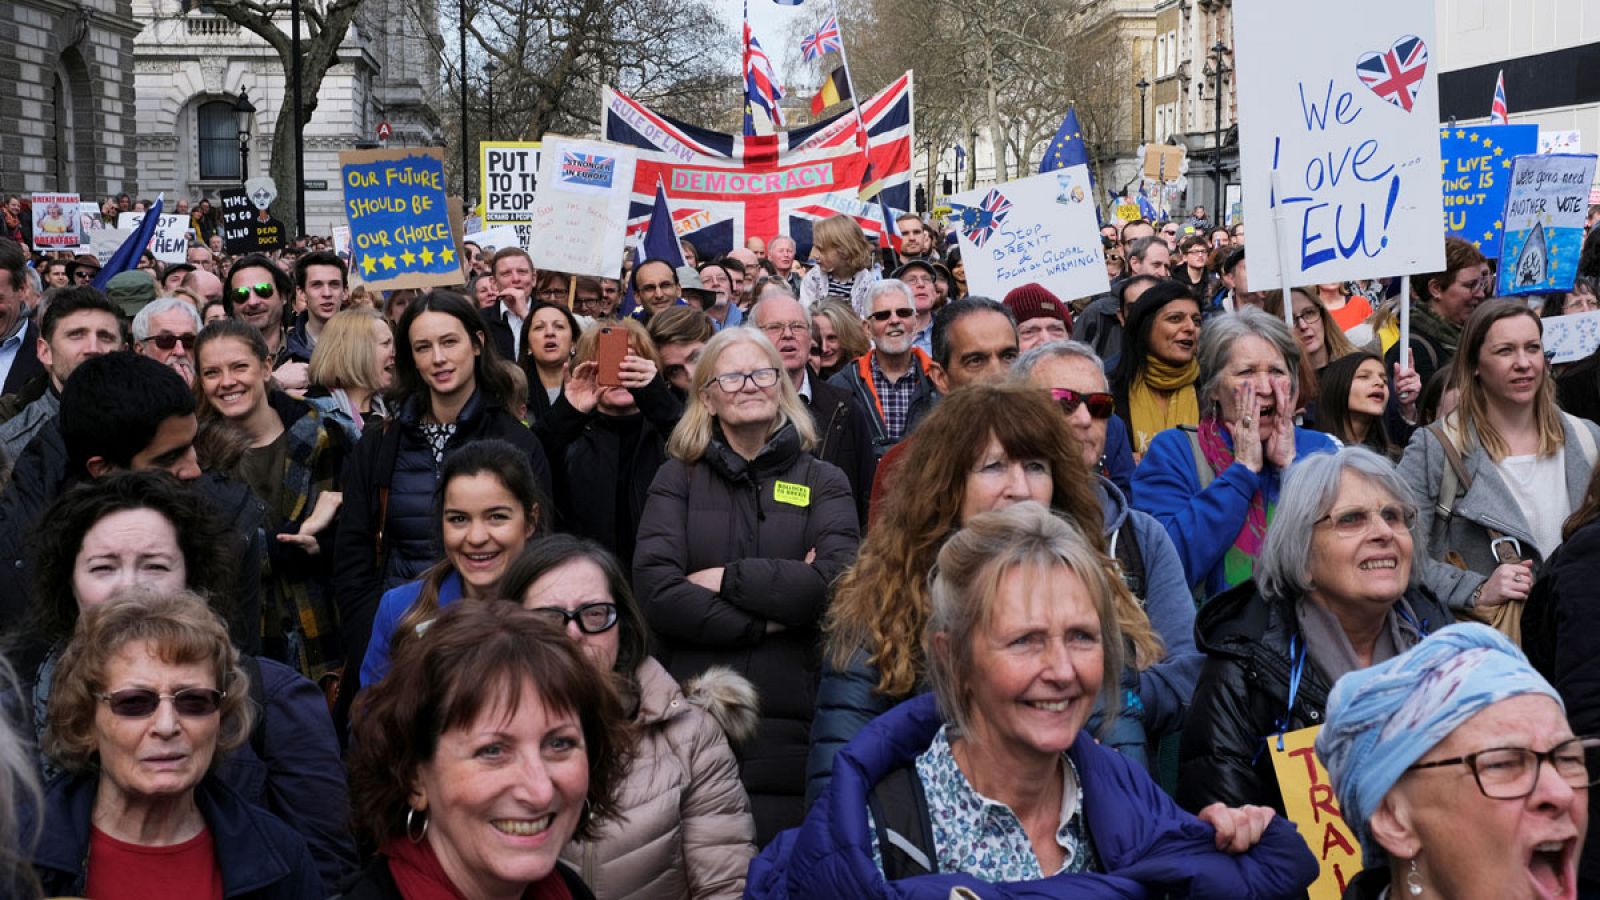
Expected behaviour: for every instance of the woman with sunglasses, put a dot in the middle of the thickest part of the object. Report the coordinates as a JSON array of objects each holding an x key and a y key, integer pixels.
[
  {"x": 683, "y": 827},
  {"x": 742, "y": 534},
  {"x": 984, "y": 447},
  {"x": 148, "y": 699},
  {"x": 146, "y": 531},
  {"x": 1154, "y": 377}
]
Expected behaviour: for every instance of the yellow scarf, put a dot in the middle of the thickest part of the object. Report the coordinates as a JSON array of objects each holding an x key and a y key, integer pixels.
[{"x": 1161, "y": 381}]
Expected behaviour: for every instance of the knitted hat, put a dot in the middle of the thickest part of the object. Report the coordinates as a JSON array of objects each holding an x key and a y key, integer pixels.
[
  {"x": 131, "y": 290},
  {"x": 1033, "y": 301}
]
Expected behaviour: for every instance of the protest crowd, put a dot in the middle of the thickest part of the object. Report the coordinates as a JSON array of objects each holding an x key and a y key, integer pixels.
[{"x": 798, "y": 568}]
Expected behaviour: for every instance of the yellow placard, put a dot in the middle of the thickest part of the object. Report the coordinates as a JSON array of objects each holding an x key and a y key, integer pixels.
[
  {"x": 1308, "y": 802},
  {"x": 1127, "y": 212},
  {"x": 791, "y": 493}
]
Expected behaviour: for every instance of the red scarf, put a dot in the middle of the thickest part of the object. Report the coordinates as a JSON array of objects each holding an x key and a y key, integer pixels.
[{"x": 419, "y": 876}]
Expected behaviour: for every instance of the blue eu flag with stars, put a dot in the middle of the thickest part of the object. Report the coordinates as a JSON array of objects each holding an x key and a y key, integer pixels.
[{"x": 1066, "y": 148}]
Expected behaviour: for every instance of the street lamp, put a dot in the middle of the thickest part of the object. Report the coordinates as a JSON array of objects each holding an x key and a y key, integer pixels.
[
  {"x": 489, "y": 68},
  {"x": 1219, "y": 52},
  {"x": 244, "y": 109},
  {"x": 462, "y": 9},
  {"x": 1142, "y": 86}
]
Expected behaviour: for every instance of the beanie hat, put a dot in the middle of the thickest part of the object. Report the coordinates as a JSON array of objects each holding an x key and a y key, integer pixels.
[
  {"x": 131, "y": 291},
  {"x": 1033, "y": 301}
]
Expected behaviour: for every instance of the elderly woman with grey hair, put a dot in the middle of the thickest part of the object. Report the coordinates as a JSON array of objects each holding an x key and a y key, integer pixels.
[
  {"x": 1337, "y": 589},
  {"x": 1216, "y": 486},
  {"x": 1456, "y": 732}
]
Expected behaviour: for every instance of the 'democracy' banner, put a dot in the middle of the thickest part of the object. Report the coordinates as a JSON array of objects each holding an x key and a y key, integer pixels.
[
  {"x": 724, "y": 188},
  {"x": 1347, "y": 124}
]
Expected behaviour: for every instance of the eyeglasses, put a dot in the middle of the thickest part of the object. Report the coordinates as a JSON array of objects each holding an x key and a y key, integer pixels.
[
  {"x": 733, "y": 382},
  {"x": 1100, "y": 403},
  {"x": 1112, "y": 259},
  {"x": 883, "y": 315},
  {"x": 1306, "y": 317},
  {"x": 1358, "y": 521},
  {"x": 168, "y": 341},
  {"x": 263, "y": 290},
  {"x": 781, "y": 328},
  {"x": 592, "y": 618},
  {"x": 1511, "y": 773},
  {"x": 140, "y": 703}
]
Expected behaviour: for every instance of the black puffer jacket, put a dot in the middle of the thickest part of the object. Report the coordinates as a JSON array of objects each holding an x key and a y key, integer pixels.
[
  {"x": 726, "y": 511},
  {"x": 1243, "y": 695},
  {"x": 397, "y": 457}
]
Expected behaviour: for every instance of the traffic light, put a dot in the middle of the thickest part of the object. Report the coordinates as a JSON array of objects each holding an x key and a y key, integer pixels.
[
  {"x": 922, "y": 199},
  {"x": 949, "y": 187}
]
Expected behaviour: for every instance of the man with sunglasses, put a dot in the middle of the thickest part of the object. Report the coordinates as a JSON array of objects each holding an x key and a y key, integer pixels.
[
  {"x": 165, "y": 331},
  {"x": 891, "y": 381},
  {"x": 79, "y": 323},
  {"x": 259, "y": 290}
]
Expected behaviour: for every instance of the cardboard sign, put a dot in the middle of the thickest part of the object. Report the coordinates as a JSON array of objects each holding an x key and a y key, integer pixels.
[
  {"x": 1347, "y": 126},
  {"x": 55, "y": 221},
  {"x": 170, "y": 243},
  {"x": 400, "y": 218},
  {"x": 1308, "y": 802},
  {"x": 1128, "y": 212},
  {"x": 1544, "y": 214},
  {"x": 510, "y": 176},
  {"x": 1038, "y": 229},
  {"x": 1476, "y": 164},
  {"x": 1163, "y": 162},
  {"x": 103, "y": 242},
  {"x": 89, "y": 220},
  {"x": 581, "y": 211},
  {"x": 1560, "y": 141},
  {"x": 1571, "y": 338},
  {"x": 238, "y": 214}
]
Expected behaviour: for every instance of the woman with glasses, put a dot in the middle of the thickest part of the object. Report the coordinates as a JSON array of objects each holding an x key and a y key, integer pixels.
[
  {"x": 684, "y": 827},
  {"x": 1497, "y": 477},
  {"x": 148, "y": 699},
  {"x": 1457, "y": 769},
  {"x": 606, "y": 442},
  {"x": 1321, "y": 342},
  {"x": 1337, "y": 589},
  {"x": 1154, "y": 377},
  {"x": 1440, "y": 305},
  {"x": 742, "y": 534},
  {"x": 145, "y": 531}
]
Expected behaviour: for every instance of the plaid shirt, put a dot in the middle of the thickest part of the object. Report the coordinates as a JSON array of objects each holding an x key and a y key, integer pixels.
[{"x": 895, "y": 396}]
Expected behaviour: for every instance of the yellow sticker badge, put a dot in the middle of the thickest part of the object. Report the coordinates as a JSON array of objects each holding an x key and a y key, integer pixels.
[{"x": 792, "y": 494}]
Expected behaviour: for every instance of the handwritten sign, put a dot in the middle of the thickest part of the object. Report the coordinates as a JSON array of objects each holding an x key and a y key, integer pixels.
[
  {"x": 395, "y": 204},
  {"x": 1571, "y": 338},
  {"x": 170, "y": 242},
  {"x": 1348, "y": 125},
  {"x": 581, "y": 211},
  {"x": 1308, "y": 802},
  {"x": 509, "y": 184},
  {"x": 55, "y": 221},
  {"x": 238, "y": 234},
  {"x": 1544, "y": 214},
  {"x": 1476, "y": 166},
  {"x": 1037, "y": 229},
  {"x": 1560, "y": 141}
]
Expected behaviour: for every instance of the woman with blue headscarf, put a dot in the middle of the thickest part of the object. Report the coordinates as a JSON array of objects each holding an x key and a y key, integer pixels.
[{"x": 1455, "y": 767}]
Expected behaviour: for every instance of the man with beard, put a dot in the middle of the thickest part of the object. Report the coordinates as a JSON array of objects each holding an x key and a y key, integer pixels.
[
  {"x": 891, "y": 382},
  {"x": 259, "y": 289}
]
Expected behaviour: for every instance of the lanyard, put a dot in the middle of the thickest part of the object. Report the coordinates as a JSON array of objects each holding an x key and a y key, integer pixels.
[{"x": 1297, "y": 652}]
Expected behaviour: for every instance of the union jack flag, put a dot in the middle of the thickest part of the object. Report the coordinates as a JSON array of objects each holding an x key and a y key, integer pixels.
[
  {"x": 979, "y": 222},
  {"x": 825, "y": 39},
  {"x": 1498, "y": 113},
  {"x": 1396, "y": 74},
  {"x": 761, "y": 88}
]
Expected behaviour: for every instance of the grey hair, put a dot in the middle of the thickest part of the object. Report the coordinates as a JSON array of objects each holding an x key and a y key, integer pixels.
[
  {"x": 1283, "y": 567},
  {"x": 1222, "y": 334},
  {"x": 141, "y": 322},
  {"x": 966, "y": 581},
  {"x": 780, "y": 237},
  {"x": 1024, "y": 366},
  {"x": 1141, "y": 246},
  {"x": 884, "y": 286}
]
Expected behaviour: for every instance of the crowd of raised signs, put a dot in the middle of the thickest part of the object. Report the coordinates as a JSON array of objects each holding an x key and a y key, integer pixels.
[{"x": 774, "y": 577}]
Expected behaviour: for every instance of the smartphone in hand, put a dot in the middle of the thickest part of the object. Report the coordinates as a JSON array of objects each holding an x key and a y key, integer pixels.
[{"x": 613, "y": 349}]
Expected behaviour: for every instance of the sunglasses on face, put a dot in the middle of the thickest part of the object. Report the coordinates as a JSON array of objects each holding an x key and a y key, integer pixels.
[
  {"x": 263, "y": 290},
  {"x": 883, "y": 315},
  {"x": 168, "y": 341},
  {"x": 1100, "y": 403},
  {"x": 592, "y": 618},
  {"x": 140, "y": 703}
]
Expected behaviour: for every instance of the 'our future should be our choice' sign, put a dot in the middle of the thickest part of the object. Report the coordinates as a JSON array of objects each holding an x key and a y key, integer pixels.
[
  {"x": 400, "y": 218},
  {"x": 1342, "y": 134}
]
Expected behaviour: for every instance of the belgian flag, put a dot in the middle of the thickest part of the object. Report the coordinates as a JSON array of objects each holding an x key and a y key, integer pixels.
[{"x": 835, "y": 89}]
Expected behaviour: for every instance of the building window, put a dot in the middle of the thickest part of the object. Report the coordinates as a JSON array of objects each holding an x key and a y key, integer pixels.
[{"x": 218, "y": 127}]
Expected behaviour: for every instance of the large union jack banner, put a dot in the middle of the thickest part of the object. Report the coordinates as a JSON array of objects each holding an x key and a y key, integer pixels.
[{"x": 724, "y": 188}]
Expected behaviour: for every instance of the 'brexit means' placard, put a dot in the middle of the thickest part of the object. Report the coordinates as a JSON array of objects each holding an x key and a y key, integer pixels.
[
  {"x": 399, "y": 218},
  {"x": 1544, "y": 215},
  {"x": 1037, "y": 229},
  {"x": 1476, "y": 163},
  {"x": 1347, "y": 125}
]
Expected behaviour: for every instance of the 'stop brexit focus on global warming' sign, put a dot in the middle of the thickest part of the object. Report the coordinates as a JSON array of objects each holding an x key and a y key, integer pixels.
[
  {"x": 1339, "y": 136},
  {"x": 400, "y": 218}
]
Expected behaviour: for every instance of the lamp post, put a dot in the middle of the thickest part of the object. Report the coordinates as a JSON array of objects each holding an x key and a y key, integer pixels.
[
  {"x": 1143, "y": 86},
  {"x": 462, "y": 8},
  {"x": 489, "y": 69},
  {"x": 1219, "y": 52},
  {"x": 244, "y": 109}
]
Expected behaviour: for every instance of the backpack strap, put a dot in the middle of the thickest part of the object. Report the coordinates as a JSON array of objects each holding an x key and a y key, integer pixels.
[
  {"x": 1130, "y": 558},
  {"x": 388, "y": 457},
  {"x": 1455, "y": 480},
  {"x": 1202, "y": 468},
  {"x": 903, "y": 824}
]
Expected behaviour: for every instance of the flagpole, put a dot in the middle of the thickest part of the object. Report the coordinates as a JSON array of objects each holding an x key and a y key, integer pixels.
[{"x": 855, "y": 99}]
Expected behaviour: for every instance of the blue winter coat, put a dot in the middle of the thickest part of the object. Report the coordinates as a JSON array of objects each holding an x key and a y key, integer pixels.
[
  {"x": 1146, "y": 844},
  {"x": 260, "y": 858},
  {"x": 1204, "y": 524},
  {"x": 394, "y": 604}
]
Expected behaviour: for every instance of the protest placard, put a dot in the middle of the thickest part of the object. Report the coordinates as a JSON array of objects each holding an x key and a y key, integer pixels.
[
  {"x": 238, "y": 214},
  {"x": 89, "y": 220},
  {"x": 1128, "y": 212},
  {"x": 1560, "y": 141},
  {"x": 1476, "y": 164},
  {"x": 496, "y": 238},
  {"x": 55, "y": 221},
  {"x": 1308, "y": 802},
  {"x": 399, "y": 216},
  {"x": 170, "y": 243},
  {"x": 510, "y": 177},
  {"x": 1037, "y": 229},
  {"x": 102, "y": 243},
  {"x": 1348, "y": 126},
  {"x": 1572, "y": 337},
  {"x": 1544, "y": 215},
  {"x": 582, "y": 207}
]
